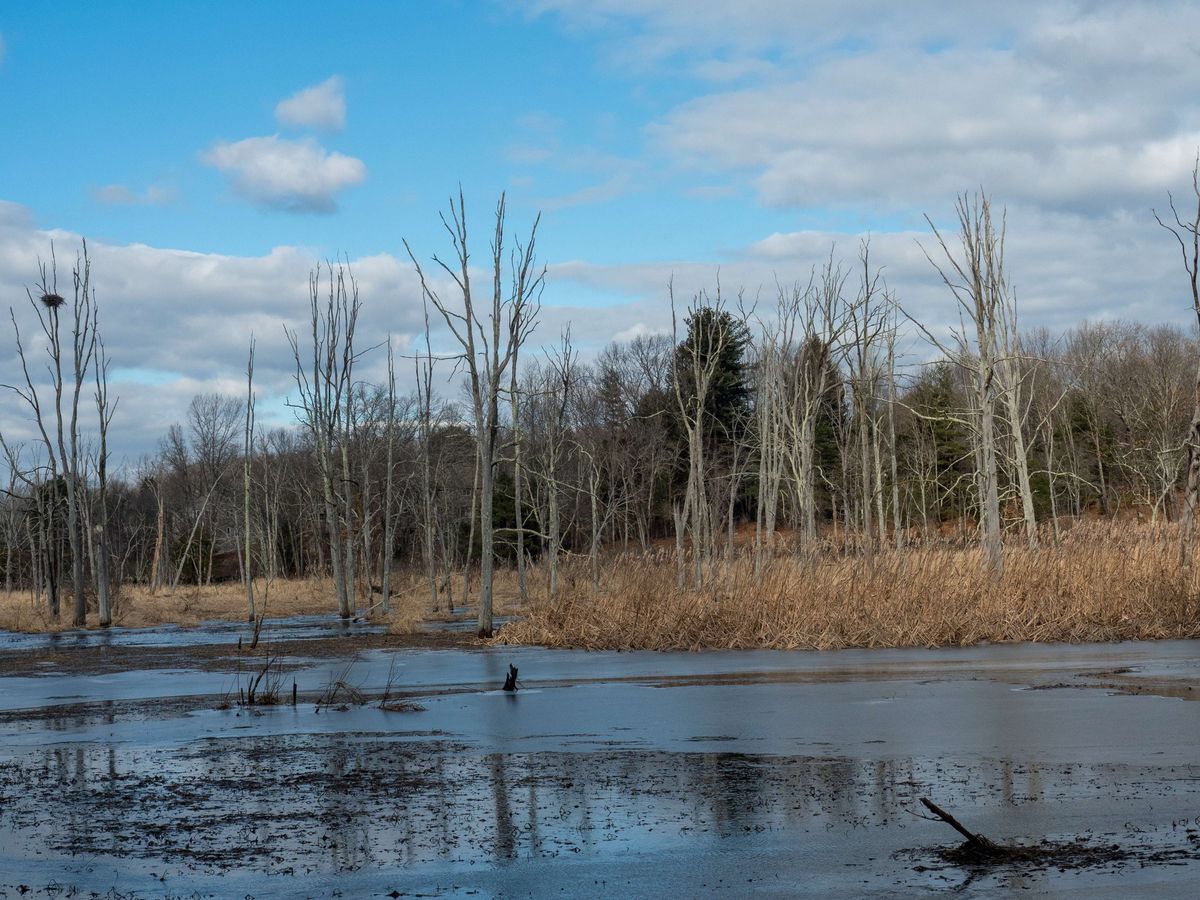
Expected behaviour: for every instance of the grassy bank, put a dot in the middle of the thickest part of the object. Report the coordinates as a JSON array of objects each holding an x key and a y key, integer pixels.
[
  {"x": 190, "y": 605},
  {"x": 1101, "y": 583}
]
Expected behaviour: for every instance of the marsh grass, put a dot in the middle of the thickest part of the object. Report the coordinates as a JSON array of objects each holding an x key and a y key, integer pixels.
[
  {"x": 1100, "y": 583},
  {"x": 188, "y": 605}
]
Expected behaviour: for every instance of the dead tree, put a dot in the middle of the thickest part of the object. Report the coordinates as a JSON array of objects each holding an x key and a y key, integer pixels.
[
  {"x": 424, "y": 372},
  {"x": 64, "y": 450},
  {"x": 697, "y": 365},
  {"x": 975, "y": 276},
  {"x": 489, "y": 346},
  {"x": 389, "y": 518},
  {"x": 326, "y": 401},
  {"x": 247, "y": 458},
  {"x": 1187, "y": 234},
  {"x": 104, "y": 415},
  {"x": 868, "y": 325}
]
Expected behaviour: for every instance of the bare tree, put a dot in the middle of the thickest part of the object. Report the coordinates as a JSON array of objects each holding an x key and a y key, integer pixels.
[
  {"x": 975, "y": 276},
  {"x": 104, "y": 415},
  {"x": 489, "y": 347},
  {"x": 64, "y": 451},
  {"x": 247, "y": 459},
  {"x": 326, "y": 400},
  {"x": 1187, "y": 234}
]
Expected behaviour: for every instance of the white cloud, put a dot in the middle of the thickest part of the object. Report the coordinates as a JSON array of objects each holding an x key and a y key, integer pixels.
[
  {"x": 320, "y": 106},
  {"x": 177, "y": 322},
  {"x": 1065, "y": 268},
  {"x": 292, "y": 175},
  {"x": 181, "y": 320},
  {"x": 637, "y": 330},
  {"x": 123, "y": 195},
  {"x": 878, "y": 106},
  {"x": 903, "y": 130},
  {"x": 648, "y": 33}
]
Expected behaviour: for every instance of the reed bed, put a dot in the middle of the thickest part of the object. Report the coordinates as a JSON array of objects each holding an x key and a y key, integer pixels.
[
  {"x": 189, "y": 605},
  {"x": 1100, "y": 583}
]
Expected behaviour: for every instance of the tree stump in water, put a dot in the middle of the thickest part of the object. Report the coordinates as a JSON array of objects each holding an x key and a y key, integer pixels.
[{"x": 510, "y": 680}]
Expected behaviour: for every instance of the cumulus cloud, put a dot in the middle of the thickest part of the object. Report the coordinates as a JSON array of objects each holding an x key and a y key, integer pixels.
[
  {"x": 123, "y": 195},
  {"x": 320, "y": 106},
  {"x": 895, "y": 132},
  {"x": 1064, "y": 270},
  {"x": 292, "y": 175},
  {"x": 873, "y": 105},
  {"x": 177, "y": 322}
]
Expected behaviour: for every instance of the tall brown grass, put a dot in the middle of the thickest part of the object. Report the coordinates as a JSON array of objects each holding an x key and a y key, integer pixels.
[
  {"x": 136, "y": 607},
  {"x": 1100, "y": 583},
  {"x": 189, "y": 605}
]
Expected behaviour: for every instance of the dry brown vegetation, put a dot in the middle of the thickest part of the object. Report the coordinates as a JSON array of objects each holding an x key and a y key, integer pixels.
[
  {"x": 189, "y": 605},
  {"x": 1101, "y": 583}
]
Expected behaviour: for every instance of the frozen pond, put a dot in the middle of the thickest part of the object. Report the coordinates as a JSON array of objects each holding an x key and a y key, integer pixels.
[
  {"x": 215, "y": 632},
  {"x": 618, "y": 774}
]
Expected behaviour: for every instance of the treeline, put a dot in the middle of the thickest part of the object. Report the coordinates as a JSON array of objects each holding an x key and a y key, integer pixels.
[{"x": 797, "y": 429}]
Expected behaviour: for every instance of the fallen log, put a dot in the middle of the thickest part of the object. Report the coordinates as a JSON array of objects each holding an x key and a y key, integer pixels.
[{"x": 976, "y": 842}]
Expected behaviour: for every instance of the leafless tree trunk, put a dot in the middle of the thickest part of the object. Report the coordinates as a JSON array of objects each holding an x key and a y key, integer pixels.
[
  {"x": 1187, "y": 234},
  {"x": 518, "y": 510},
  {"x": 104, "y": 414},
  {"x": 425, "y": 413},
  {"x": 389, "y": 514},
  {"x": 247, "y": 459},
  {"x": 976, "y": 278},
  {"x": 488, "y": 349},
  {"x": 327, "y": 403},
  {"x": 47, "y": 304}
]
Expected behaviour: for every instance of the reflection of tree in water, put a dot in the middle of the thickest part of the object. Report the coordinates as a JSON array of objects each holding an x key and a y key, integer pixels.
[
  {"x": 347, "y": 821},
  {"x": 505, "y": 833},
  {"x": 535, "y": 837},
  {"x": 353, "y": 802},
  {"x": 733, "y": 785}
]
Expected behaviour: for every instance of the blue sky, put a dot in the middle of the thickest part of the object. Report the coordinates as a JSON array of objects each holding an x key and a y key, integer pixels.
[
  {"x": 132, "y": 94},
  {"x": 213, "y": 152}
]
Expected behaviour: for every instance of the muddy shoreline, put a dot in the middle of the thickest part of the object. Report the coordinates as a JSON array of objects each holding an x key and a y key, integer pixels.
[
  {"x": 222, "y": 657},
  {"x": 133, "y": 771}
]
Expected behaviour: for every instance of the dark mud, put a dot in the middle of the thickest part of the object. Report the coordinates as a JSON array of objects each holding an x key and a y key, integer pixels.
[
  {"x": 226, "y": 656},
  {"x": 740, "y": 774}
]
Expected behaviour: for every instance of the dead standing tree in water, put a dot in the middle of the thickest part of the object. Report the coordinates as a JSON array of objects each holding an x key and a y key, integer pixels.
[
  {"x": 63, "y": 451},
  {"x": 1187, "y": 234},
  {"x": 489, "y": 348},
  {"x": 247, "y": 485},
  {"x": 326, "y": 401},
  {"x": 975, "y": 276},
  {"x": 104, "y": 414}
]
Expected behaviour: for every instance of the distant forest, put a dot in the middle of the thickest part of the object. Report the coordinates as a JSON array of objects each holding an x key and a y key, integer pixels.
[{"x": 790, "y": 428}]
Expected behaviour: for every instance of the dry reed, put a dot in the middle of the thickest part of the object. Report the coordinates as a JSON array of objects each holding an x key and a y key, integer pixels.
[
  {"x": 187, "y": 605},
  {"x": 1101, "y": 583}
]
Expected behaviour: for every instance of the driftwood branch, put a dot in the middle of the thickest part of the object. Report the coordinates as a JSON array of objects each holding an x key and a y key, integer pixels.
[{"x": 977, "y": 841}]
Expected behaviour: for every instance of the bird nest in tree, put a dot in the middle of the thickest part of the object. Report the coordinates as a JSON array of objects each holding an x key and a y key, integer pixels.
[{"x": 52, "y": 301}]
